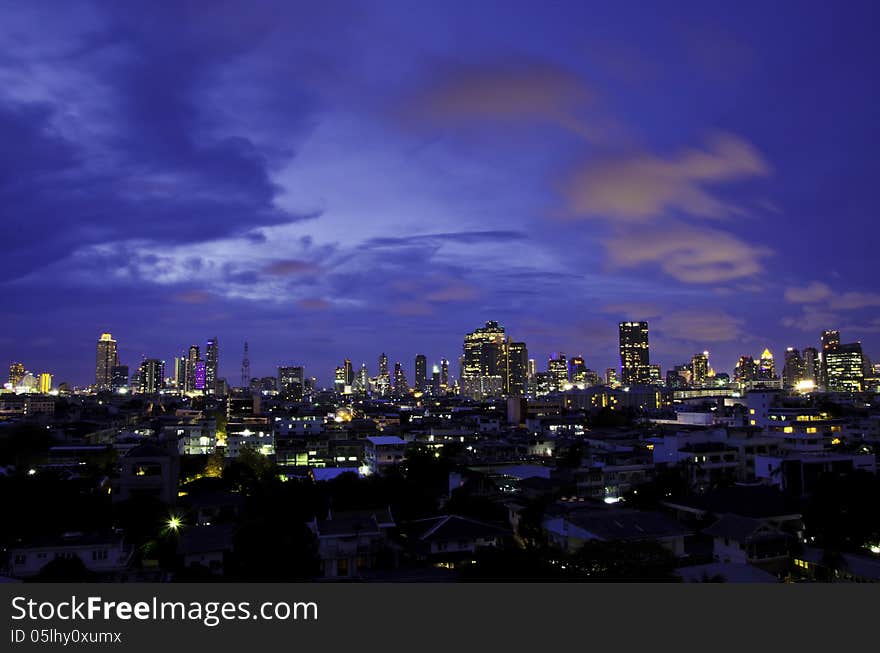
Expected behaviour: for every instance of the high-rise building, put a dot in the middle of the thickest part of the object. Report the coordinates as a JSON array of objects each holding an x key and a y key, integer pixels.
[
  {"x": 812, "y": 366},
  {"x": 292, "y": 382},
  {"x": 421, "y": 373},
  {"x": 435, "y": 381},
  {"x": 16, "y": 373},
  {"x": 362, "y": 382},
  {"x": 348, "y": 372},
  {"x": 700, "y": 369},
  {"x": 119, "y": 378},
  {"x": 339, "y": 379},
  {"x": 245, "y": 367},
  {"x": 635, "y": 360},
  {"x": 483, "y": 366},
  {"x": 558, "y": 368},
  {"x": 192, "y": 357},
  {"x": 383, "y": 379},
  {"x": 444, "y": 374},
  {"x": 180, "y": 373},
  {"x": 200, "y": 376},
  {"x": 746, "y": 370},
  {"x": 106, "y": 359},
  {"x": 830, "y": 339},
  {"x": 516, "y": 373},
  {"x": 577, "y": 371},
  {"x": 792, "y": 368},
  {"x": 844, "y": 367},
  {"x": 151, "y": 376},
  {"x": 212, "y": 363},
  {"x": 401, "y": 387},
  {"x": 45, "y": 381},
  {"x": 766, "y": 366},
  {"x": 611, "y": 378}
]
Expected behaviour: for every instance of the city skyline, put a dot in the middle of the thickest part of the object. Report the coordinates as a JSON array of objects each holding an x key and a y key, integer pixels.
[
  {"x": 229, "y": 367},
  {"x": 259, "y": 178}
]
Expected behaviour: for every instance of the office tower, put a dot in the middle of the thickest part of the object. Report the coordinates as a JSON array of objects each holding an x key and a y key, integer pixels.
[
  {"x": 383, "y": 379},
  {"x": 45, "y": 382},
  {"x": 577, "y": 371},
  {"x": 516, "y": 373},
  {"x": 558, "y": 368},
  {"x": 811, "y": 365},
  {"x": 401, "y": 387},
  {"x": 766, "y": 366},
  {"x": 245, "y": 367},
  {"x": 634, "y": 353},
  {"x": 292, "y": 382},
  {"x": 830, "y": 340},
  {"x": 192, "y": 357},
  {"x": 655, "y": 374},
  {"x": 362, "y": 383},
  {"x": 180, "y": 373},
  {"x": 339, "y": 379},
  {"x": 119, "y": 378},
  {"x": 611, "y": 378},
  {"x": 435, "y": 381},
  {"x": 675, "y": 379},
  {"x": 16, "y": 373},
  {"x": 106, "y": 360},
  {"x": 444, "y": 374},
  {"x": 792, "y": 368},
  {"x": 151, "y": 376},
  {"x": 421, "y": 373},
  {"x": 200, "y": 376},
  {"x": 212, "y": 363},
  {"x": 482, "y": 369},
  {"x": 700, "y": 369},
  {"x": 844, "y": 367},
  {"x": 348, "y": 372},
  {"x": 746, "y": 370}
]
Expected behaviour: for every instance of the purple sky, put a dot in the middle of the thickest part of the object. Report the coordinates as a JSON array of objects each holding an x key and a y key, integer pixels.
[{"x": 340, "y": 179}]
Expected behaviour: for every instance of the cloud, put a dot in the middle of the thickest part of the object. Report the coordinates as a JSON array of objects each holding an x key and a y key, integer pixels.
[
  {"x": 291, "y": 267},
  {"x": 644, "y": 187},
  {"x": 818, "y": 292},
  {"x": 512, "y": 92},
  {"x": 687, "y": 253},
  {"x": 193, "y": 297},
  {"x": 314, "y": 304},
  {"x": 701, "y": 326},
  {"x": 459, "y": 237}
]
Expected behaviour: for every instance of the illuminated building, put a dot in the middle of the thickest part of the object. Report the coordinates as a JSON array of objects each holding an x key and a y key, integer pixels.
[
  {"x": 558, "y": 368},
  {"x": 192, "y": 358},
  {"x": 746, "y": 370},
  {"x": 678, "y": 377},
  {"x": 444, "y": 374},
  {"x": 766, "y": 366},
  {"x": 151, "y": 376},
  {"x": 483, "y": 368},
  {"x": 634, "y": 353},
  {"x": 212, "y": 361},
  {"x": 577, "y": 371},
  {"x": 348, "y": 371},
  {"x": 362, "y": 381},
  {"x": 383, "y": 380},
  {"x": 812, "y": 366},
  {"x": 180, "y": 373},
  {"x": 844, "y": 367},
  {"x": 119, "y": 378},
  {"x": 199, "y": 376},
  {"x": 793, "y": 368},
  {"x": 516, "y": 374},
  {"x": 435, "y": 381},
  {"x": 339, "y": 380},
  {"x": 830, "y": 339},
  {"x": 291, "y": 382},
  {"x": 611, "y": 379},
  {"x": 421, "y": 374},
  {"x": 401, "y": 387},
  {"x": 45, "y": 382},
  {"x": 16, "y": 374},
  {"x": 699, "y": 369},
  {"x": 106, "y": 359}
]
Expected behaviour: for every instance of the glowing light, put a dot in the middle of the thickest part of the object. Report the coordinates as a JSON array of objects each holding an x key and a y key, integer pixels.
[
  {"x": 805, "y": 386},
  {"x": 174, "y": 523}
]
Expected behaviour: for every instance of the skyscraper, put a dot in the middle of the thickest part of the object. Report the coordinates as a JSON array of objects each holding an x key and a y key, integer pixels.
[
  {"x": 45, "y": 380},
  {"x": 844, "y": 367},
  {"x": 558, "y": 368},
  {"x": 151, "y": 376},
  {"x": 348, "y": 373},
  {"x": 577, "y": 371},
  {"x": 792, "y": 368},
  {"x": 482, "y": 370},
  {"x": 16, "y": 373},
  {"x": 699, "y": 369},
  {"x": 444, "y": 374},
  {"x": 517, "y": 369},
  {"x": 421, "y": 373},
  {"x": 192, "y": 357},
  {"x": 812, "y": 366},
  {"x": 212, "y": 363},
  {"x": 830, "y": 339},
  {"x": 401, "y": 387},
  {"x": 106, "y": 359},
  {"x": 766, "y": 366},
  {"x": 291, "y": 382},
  {"x": 635, "y": 362},
  {"x": 119, "y": 379}
]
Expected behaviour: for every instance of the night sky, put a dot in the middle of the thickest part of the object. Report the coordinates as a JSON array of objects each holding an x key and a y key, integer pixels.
[{"x": 340, "y": 179}]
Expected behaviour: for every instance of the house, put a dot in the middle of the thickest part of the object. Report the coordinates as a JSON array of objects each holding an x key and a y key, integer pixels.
[
  {"x": 206, "y": 546},
  {"x": 725, "y": 572},
  {"x": 814, "y": 564},
  {"x": 448, "y": 538},
  {"x": 570, "y": 530},
  {"x": 105, "y": 554},
  {"x": 797, "y": 474},
  {"x": 350, "y": 543},
  {"x": 746, "y": 540},
  {"x": 383, "y": 451},
  {"x": 148, "y": 470}
]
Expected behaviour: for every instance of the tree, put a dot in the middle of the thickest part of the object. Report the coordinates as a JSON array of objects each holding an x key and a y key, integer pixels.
[
  {"x": 625, "y": 560},
  {"x": 65, "y": 570}
]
